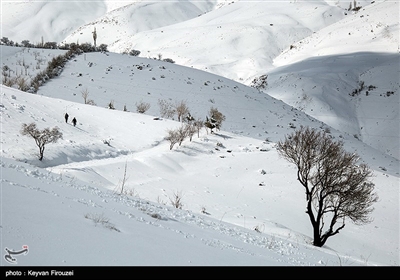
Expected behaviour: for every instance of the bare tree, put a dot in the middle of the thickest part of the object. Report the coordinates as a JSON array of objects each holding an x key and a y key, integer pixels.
[
  {"x": 181, "y": 110},
  {"x": 336, "y": 186},
  {"x": 182, "y": 133},
  {"x": 173, "y": 138},
  {"x": 42, "y": 137},
  {"x": 167, "y": 110},
  {"x": 190, "y": 130},
  {"x": 85, "y": 94},
  {"x": 198, "y": 124}
]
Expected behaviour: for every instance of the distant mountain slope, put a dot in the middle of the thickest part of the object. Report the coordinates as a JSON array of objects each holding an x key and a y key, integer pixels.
[
  {"x": 119, "y": 24},
  {"x": 357, "y": 93},
  {"x": 234, "y": 39},
  {"x": 347, "y": 75},
  {"x": 374, "y": 28},
  {"x": 50, "y": 20},
  {"x": 237, "y": 40}
]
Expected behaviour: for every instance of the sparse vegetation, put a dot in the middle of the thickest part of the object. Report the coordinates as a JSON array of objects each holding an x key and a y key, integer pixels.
[
  {"x": 169, "y": 60},
  {"x": 102, "y": 220},
  {"x": 260, "y": 82},
  {"x": 134, "y": 53},
  {"x": 176, "y": 200},
  {"x": 54, "y": 67},
  {"x": 111, "y": 105},
  {"x": 142, "y": 107}
]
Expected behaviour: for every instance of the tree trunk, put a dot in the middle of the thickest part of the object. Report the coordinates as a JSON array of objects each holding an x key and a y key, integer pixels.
[
  {"x": 41, "y": 152},
  {"x": 317, "y": 238}
]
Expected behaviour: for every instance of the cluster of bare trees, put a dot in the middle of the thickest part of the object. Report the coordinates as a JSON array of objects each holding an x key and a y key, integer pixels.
[
  {"x": 187, "y": 129},
  {"x": 190, "y": 125}
]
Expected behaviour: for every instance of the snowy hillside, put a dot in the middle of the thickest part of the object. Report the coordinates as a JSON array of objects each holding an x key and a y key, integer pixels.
[
  {"x": 243, "y": 180},
  {"x": 233, "y": 190},
  {"x": 242, "y": 40},
  {"x": 336, "y": 75},
  {"x": 102, "y": 195}
]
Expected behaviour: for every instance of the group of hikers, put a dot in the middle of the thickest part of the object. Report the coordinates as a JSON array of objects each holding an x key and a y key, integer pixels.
[{"x": 73, "y": 120}]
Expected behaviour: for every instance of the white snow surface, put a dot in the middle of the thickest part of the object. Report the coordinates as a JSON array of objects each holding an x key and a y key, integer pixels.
[{"x": 242, "y": 204}]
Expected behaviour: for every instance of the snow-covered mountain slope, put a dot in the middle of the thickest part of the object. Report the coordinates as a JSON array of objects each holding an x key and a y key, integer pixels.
[
  {"x": 250, "y": 186},
  {"x": 241, "y": 201},
  {"x": 242, "y": 40},
  {"x": 356, "y": 93},
  {"x": 235, "y": 175},
  {"x": 347, "y": 75},
  {"x": 235, "y": 40},
  {"x": 51, "y": 21},
  {"x": 374, "y": 28},
  {"x": 127, "y": 81}
]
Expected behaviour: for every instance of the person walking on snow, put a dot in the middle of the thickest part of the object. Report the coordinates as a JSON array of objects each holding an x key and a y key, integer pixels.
[
  {"x": 74, "y": 121},
  {"x": 66, "y": 117}
]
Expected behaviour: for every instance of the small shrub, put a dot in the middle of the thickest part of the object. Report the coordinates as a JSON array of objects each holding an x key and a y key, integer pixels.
[
  {"x": 111, "y": 105},
  {"x": 134, "y": 52},
  {"x": 91, "y": 102},
  {"x": 102, "y": 220},
  {"x": 214, "y": 120},
  {"x": 260, "y": 82},
  {"x": 142, "y": 107},
  {"x": 176, "y": 200},
  {"x": 22, "y": 83},
  {"x": 103, "y": 48},
  {"x": 168, "y": 60}
]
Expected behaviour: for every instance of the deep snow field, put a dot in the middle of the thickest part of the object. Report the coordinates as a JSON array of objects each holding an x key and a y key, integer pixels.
[{"x": 242, "y": 204}]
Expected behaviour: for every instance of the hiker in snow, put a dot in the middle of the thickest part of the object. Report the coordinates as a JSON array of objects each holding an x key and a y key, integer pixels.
[
  {"x": 74, "y": 121},
  {"x": 66, "y": 117}
]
